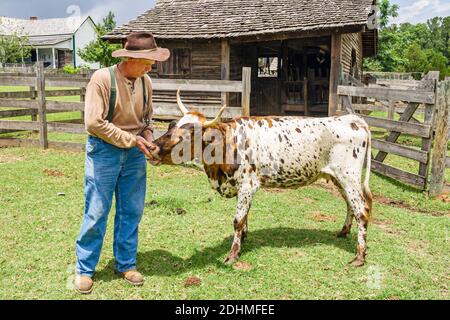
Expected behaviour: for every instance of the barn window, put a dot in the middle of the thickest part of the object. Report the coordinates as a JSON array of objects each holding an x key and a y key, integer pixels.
[
  {"x": 179, "y": 63},
  {"x": 267, "y": 67},
  {"x": 354, "y": 65}
]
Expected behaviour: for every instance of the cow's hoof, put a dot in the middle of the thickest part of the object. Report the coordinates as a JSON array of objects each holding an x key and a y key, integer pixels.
[
  {"x": 357, "y": 262},
  {"x": 230, "y": 260}
]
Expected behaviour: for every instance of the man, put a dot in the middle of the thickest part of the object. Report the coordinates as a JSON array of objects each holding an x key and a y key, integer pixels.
[{"x": 119, "y": 138}]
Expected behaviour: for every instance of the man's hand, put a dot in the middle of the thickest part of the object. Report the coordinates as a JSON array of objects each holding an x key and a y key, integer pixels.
[{"x": 144, "y": 146}]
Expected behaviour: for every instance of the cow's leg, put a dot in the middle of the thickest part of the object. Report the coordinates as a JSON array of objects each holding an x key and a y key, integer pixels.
[
  {"x": 347, "y": 224},
  {"x": 360, "y": 209},
  {"x": 349, "y": 219},
  {"x": 245, "y": 231},
  {"x": 245, "y": 196}
]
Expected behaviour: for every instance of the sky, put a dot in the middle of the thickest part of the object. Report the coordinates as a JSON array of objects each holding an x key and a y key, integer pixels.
[{"x": 125, "y": 10}]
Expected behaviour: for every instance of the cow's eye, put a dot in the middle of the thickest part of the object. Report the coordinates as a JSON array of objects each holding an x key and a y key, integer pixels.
[{"x": 172, "y": 124}]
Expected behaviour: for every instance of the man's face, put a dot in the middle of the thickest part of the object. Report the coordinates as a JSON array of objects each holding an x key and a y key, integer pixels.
[{"x": 139, "y": 67}]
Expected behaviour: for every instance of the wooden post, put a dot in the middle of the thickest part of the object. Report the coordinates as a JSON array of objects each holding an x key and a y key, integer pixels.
[
  {"x": 246, "y": 90},
  {"x": 428, "y": 119},
  {"x": 391, "y": 110},
  {"x": 335, "y": 73},
  {"x": 225, "y": 69},
  {"x": 82, "y": 99},
  {"x": 40, "y": 85},
  {"x": 440, "y": 141},
  {"x": 33, "y": 97}
]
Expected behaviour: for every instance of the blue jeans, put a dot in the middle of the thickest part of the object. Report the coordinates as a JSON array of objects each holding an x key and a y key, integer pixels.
[{"x": 111, "y": 170}]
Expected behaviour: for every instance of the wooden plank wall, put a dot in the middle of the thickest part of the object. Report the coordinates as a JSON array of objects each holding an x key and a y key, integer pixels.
[{"x": 351, "y": 41}]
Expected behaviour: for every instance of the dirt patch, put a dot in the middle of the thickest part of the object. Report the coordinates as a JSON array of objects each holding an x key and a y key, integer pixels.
[
  {"x": 320, "y": 217},
  {"x": 403, "y": 205},
  {"x": 386, "y": 226},
  {"x": 244, "y": 266},
  {"x": 329, "y": 186},
  {"x": 53, "y": 173},
  {"x": 418, "y": 246},
  {"x": 274, "y": 190},
  {"x": 445, "y": 197},
  {"x": 193, "y": 281},
  {"x": 10, "y": 158}
]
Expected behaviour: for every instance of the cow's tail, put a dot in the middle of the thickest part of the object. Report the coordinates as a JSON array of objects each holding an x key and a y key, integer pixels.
[{"x": 366, "y": 188}]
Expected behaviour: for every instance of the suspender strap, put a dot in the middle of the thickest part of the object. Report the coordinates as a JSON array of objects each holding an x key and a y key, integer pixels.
[
  {"x": 112, "y": 94},
  {"x": 144, "y": 90}
]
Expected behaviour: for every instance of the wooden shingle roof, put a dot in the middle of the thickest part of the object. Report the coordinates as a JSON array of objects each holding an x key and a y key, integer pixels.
[{"x": 202, "y": 19}]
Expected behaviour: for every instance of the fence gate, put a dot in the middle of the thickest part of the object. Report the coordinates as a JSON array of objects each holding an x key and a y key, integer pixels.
[{"x": 412, "y": 108}]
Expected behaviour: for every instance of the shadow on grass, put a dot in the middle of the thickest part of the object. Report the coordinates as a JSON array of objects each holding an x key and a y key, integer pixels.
[{"x": 164, "y": 263}]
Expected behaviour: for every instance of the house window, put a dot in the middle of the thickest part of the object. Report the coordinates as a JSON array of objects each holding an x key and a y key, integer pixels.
[
  {"x": 179, "y": 63},
  {"x": 267, "y": 67}
]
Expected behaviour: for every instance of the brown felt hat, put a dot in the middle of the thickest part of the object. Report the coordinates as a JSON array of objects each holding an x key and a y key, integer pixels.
[{"x": 142, "y": 45}]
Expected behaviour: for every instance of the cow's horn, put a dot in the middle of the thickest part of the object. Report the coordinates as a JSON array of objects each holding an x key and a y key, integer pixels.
[
  {"x": 216, "y": 119},
  {"x": 180, "y": 104}
]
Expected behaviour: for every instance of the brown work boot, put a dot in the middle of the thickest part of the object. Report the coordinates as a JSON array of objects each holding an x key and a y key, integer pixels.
[
  {"x": 132, "y": 276},
  {"x": 83, "y": 284}
]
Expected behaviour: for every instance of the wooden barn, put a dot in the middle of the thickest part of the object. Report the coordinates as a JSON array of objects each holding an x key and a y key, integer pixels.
[{"x": 297, "y": 49}]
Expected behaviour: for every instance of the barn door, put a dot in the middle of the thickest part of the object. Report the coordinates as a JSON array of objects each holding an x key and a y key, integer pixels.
[{"x": 266, "y": 80}]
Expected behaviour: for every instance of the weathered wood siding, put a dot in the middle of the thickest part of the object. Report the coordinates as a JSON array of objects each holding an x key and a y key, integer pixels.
[
  {"x": 205, "y": 58},
  {"x": 351, "y": 41}
]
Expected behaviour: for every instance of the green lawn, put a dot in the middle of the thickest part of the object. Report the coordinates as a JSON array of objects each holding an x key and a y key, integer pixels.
[{"x": 291, "y": 253}]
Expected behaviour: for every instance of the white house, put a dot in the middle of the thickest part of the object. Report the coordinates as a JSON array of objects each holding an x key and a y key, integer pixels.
[{"x": 54, "y": 41}]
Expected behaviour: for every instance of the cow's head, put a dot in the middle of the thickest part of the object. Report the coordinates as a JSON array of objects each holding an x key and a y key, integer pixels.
[{"x": 186, "y": 133}]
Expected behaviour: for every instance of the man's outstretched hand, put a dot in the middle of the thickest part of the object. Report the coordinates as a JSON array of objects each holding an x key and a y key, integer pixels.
[{"x": 145, "y": 146}]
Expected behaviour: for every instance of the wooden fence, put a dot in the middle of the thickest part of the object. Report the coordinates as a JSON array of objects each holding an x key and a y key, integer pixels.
[
  {"x": 427, "y": 95},
  {"x": 34, "y": 102}
]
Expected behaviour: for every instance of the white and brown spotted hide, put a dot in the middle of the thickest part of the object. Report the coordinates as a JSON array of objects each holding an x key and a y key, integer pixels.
[{"x": 286, "y": 152}]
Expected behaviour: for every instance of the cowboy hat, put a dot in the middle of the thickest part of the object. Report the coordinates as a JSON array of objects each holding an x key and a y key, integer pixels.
[{"x": 142, "y": 45}]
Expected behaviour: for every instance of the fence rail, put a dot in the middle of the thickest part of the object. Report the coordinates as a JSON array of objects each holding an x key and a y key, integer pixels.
[
  {"x": 34, "y": 101},
  {"x": 426, "y": 97}
]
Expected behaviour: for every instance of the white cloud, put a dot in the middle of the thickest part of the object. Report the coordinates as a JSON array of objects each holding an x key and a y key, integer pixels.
[
  {"x": 123, "y": 10},
  {"x": 421, "y": 10}
]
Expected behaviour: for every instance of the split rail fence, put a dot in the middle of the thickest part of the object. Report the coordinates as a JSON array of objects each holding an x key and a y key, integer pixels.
[
  {"x": 34, "y": 102},
  {"x": 410, "y": 101}
]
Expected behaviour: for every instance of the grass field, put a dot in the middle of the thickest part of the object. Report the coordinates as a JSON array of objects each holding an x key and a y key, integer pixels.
[{"x": 291, "y": 252}]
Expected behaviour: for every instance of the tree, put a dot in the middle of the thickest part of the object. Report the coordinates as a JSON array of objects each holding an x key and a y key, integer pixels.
[
  {"x": 100, "y": 50},
  {"x": 417, "y": 59},
  {"x": 386, "y": 11},
  {"x": 437, "y": 62},
  {"x": 14, "y": 48}
]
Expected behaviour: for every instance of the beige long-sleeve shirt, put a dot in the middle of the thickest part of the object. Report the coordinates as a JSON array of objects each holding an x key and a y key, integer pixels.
[{"x": 128, "y": 117}]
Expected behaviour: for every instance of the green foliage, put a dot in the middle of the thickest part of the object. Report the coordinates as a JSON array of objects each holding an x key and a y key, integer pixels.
[
  {"x": 410, "y": 47},
  {"x": 100, "y": 50},
  {"x": 14, "y": 48},
  {"x": 416, "y": 59},
  {"x": 69, "y": 69},
  {"x": 386, "y": 11}
]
